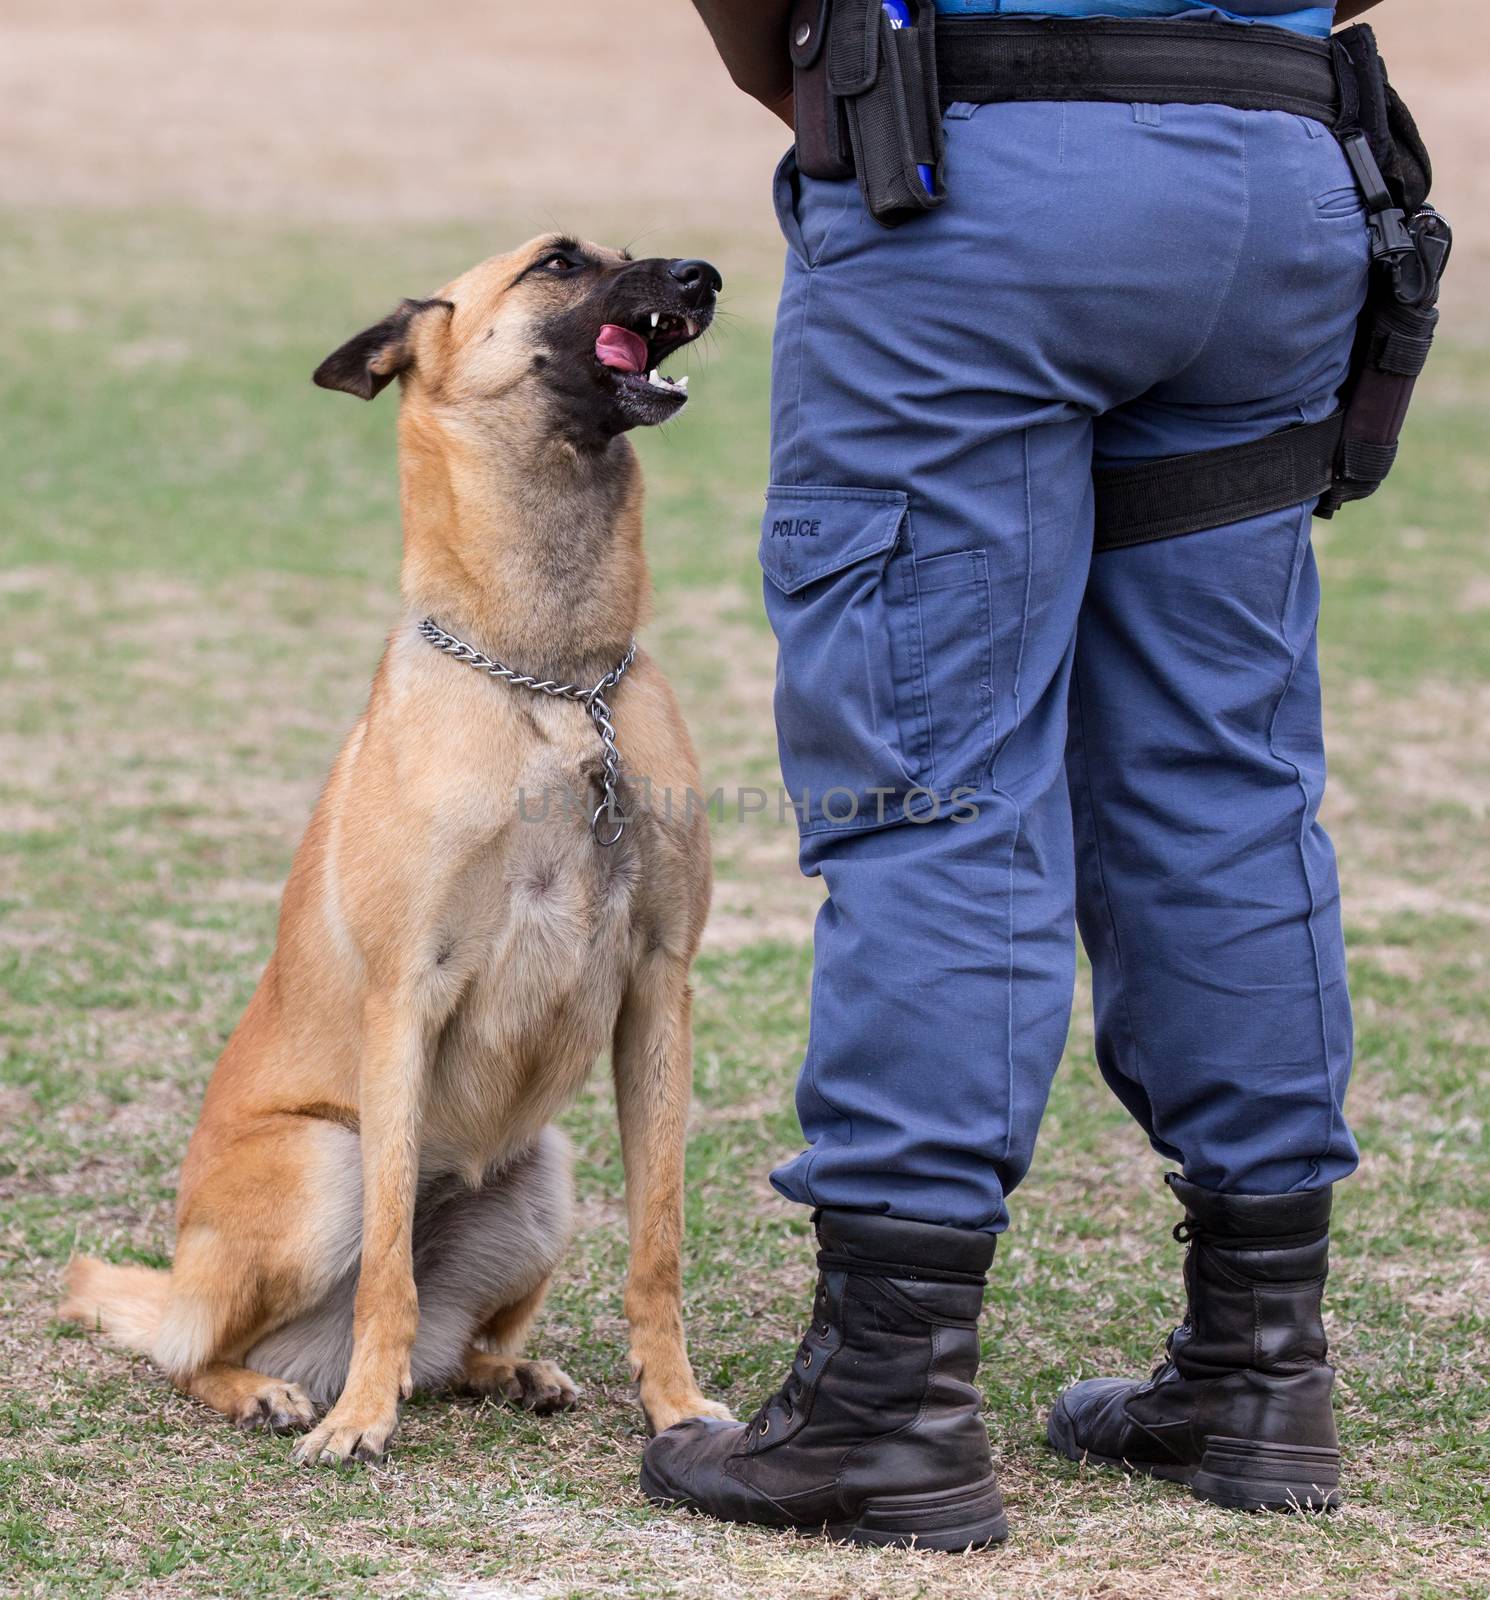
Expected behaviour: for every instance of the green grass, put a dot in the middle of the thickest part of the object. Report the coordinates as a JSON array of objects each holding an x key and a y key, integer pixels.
[{"x": 197, "y": 560}]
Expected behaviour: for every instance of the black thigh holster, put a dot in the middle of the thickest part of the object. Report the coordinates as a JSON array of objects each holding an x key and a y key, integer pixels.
[{"x": 1410, "y": 245}]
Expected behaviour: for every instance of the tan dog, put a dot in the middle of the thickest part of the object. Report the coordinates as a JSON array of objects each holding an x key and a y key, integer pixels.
[{"x": 374, "y": 1199}]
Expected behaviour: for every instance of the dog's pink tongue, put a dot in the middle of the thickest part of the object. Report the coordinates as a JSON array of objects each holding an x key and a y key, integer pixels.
[{"x": 621, "y": 348}]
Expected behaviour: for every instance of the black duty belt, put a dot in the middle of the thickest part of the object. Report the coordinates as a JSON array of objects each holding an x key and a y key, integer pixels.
[{"x": 1253, "y": 67}]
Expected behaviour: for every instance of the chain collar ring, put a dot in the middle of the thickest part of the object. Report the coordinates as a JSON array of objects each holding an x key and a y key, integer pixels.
[{"x": 592, "y": 699}]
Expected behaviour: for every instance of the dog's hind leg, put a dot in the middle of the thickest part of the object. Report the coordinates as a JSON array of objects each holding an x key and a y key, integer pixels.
[
  {"x": 520, "y": 1218},
  {"x": 539, "y": 1386},
  {"x": 254, "y": 1256},
  {"x": 249, "y": 1399},
  {"x": 480, "y": 1255},
  {"x": 505, "y": 1331},
  {"x": 130, "y": 1303}
]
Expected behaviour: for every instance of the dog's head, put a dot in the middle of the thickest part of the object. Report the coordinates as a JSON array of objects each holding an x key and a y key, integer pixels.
[{"x": 571, "y": 331}]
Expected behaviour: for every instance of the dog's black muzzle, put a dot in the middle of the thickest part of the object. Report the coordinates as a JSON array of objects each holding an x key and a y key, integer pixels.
[{"x": 669, "y": 303}]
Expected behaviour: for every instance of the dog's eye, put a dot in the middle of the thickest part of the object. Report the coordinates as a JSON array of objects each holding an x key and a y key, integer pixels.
[{"x": 559, "y": 261}]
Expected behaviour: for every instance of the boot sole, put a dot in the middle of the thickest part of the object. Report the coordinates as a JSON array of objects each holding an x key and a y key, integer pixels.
[
  {"x": 1241, "y": 1474},
  {"x": 970, "y": 1518}
]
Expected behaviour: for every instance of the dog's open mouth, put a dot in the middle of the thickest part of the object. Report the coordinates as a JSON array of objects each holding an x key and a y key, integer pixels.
[{"x": 633, "y": 355}]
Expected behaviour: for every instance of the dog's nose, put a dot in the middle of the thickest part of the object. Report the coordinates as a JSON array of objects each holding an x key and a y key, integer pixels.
[{"x": 698, "y": 278}]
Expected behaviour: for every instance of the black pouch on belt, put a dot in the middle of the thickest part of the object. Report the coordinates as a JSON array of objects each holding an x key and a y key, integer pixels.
[
  {"x": 882, "y": 80},
  {"x": 823, "y": 149},
  {"x": 1410, "y": 245}
]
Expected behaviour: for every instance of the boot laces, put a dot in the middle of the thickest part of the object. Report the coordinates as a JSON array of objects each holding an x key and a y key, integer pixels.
[
  {"x": 1186, "y": 1232},
  {"x": 790, "y": 1392}
]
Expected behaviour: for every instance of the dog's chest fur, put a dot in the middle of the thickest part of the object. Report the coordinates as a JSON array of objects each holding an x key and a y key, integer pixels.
[{"x": 539, "y": 940}]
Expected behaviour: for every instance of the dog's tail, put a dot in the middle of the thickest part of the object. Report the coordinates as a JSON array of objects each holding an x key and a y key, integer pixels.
[{"x": 126, "y": 1303}]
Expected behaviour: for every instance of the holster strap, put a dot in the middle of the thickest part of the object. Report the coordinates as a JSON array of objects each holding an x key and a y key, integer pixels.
[{"x": 1162, "y": 499}]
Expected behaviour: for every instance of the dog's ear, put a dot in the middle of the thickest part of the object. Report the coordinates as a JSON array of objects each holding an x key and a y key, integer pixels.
[{"x": 367, "y": 364}]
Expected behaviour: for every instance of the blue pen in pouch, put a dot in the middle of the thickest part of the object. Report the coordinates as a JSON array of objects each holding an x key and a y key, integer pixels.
[{"x": 899, "y": 14}]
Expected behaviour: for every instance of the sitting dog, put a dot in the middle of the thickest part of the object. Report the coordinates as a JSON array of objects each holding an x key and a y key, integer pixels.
[{"x": 374, "y": 1199}]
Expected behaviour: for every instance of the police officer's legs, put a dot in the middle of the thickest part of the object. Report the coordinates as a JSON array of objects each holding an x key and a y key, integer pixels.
[
  {"x": 926, "y": 554},
  {"x": 1209, "y": 905},
  {"x": 925, "y": 550},
  {"x": 926, "y": 634},
  {"x": 1209, "y": 902},
  {"x": 1208, "y": 898}
]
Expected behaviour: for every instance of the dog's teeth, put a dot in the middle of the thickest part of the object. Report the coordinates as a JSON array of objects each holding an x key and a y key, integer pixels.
[
  {"x": 682, "y": 382},
  {"x": 653, "y": 377},
  {"x": 689, "y": 323},
  {"x": 656, "y": 318}
]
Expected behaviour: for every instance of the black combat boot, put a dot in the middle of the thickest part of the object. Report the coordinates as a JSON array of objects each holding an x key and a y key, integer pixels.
[
  {"x": 875, "y": 1436},
  {"x": 1240, "y": 1409}
]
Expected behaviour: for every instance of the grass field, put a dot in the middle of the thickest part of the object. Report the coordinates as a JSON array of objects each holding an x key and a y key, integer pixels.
[{"x": 197, "y": 564}]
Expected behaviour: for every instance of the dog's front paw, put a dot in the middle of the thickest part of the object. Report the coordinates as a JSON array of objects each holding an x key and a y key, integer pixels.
[
  {"x": 347, "y": 1434},
  {"x": 662, "y": 1414}
]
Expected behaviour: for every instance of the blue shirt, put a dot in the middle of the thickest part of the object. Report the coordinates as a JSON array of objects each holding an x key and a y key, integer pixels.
[{"x": 1279, "y": 13}]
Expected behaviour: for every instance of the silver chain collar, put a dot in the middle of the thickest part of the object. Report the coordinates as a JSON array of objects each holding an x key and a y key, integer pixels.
[{"x": 592, "y": 699}]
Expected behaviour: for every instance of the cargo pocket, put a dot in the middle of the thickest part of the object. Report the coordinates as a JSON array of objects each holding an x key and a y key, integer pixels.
[
  {"x": 883, "y": 663},
  {"x": 955, "y": 633}
]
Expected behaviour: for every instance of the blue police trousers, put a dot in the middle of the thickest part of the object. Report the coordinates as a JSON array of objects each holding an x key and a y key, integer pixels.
[{"x": 990, "y": 734}]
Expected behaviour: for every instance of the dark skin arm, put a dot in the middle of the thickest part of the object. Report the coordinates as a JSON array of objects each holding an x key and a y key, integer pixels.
[{"x": 751, "y": 37}]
